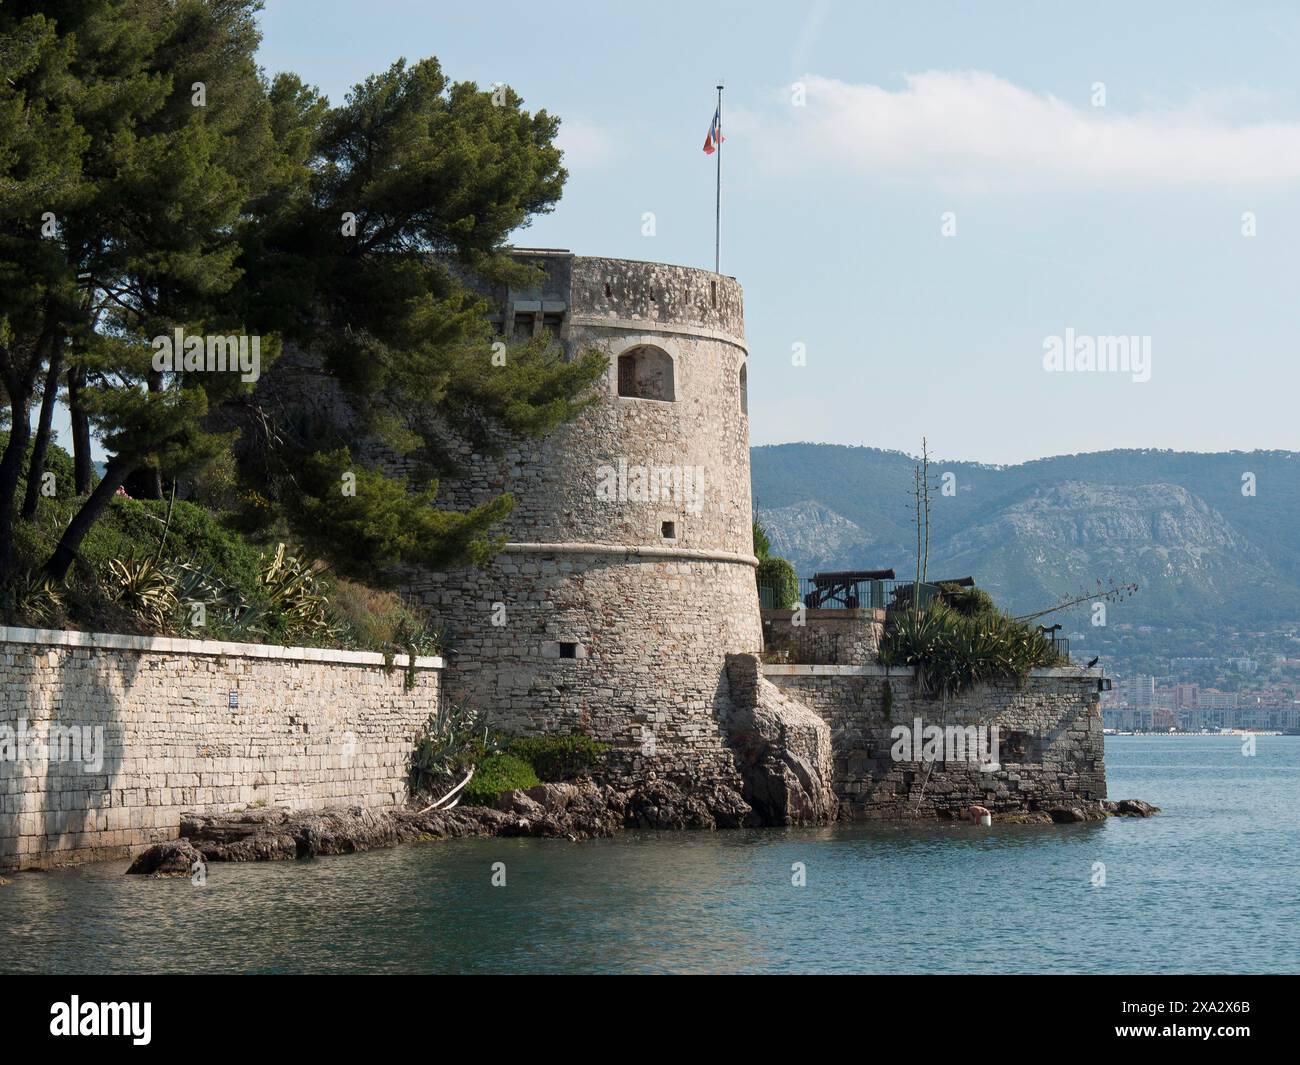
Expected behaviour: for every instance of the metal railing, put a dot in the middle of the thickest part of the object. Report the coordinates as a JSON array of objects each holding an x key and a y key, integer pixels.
[
  {"x": 847, "y": 595},
  {"x": 1060, "y": 645}
]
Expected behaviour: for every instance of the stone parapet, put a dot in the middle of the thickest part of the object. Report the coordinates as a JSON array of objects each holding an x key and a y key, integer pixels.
[{"x": 106, "y": 740}]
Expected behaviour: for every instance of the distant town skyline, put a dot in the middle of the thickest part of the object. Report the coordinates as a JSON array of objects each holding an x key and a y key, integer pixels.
[{"x": 918, "y": 199}]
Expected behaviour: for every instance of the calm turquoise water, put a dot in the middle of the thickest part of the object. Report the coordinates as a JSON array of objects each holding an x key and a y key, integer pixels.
[{"x": 1208, "y": 886}]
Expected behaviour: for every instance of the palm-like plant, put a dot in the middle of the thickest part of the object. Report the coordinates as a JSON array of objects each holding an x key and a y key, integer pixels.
[
  {"x": 950, "y": 652},
  {"x": 292, "y": 586},
  {"x": 144, "y": 588},
  {"x": 40, "y": 599}
]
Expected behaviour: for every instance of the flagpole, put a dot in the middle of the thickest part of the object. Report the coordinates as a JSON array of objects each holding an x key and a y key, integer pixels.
[{"x": 717, "y": 217}]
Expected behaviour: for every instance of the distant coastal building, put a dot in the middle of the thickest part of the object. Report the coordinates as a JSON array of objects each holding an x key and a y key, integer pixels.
[{"x": 1136, "y": 691}]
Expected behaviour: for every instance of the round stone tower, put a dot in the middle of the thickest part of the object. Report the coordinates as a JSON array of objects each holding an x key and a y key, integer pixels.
[{"x": 628, "y": 571}]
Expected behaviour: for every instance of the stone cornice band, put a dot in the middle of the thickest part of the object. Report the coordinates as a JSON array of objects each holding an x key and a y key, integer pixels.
[{"x": 640, "y": 551}]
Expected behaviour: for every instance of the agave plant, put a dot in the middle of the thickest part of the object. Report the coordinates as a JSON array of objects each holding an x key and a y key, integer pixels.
[
  {"x": 225, "y": 607},
  {"x": 951, "y": 652},
  {"x": 144, "y": 588},
  {"x": 454, "y": 736},
  {"x": 292, "y": 586},
  {"x": 40, "y": 599}
]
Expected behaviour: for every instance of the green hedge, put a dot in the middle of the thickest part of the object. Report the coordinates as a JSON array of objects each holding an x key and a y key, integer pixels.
[
  {"x": 779, "y": 575},
  {"x": 495, "y": 773},
  {"x": 557, "y": 758}
]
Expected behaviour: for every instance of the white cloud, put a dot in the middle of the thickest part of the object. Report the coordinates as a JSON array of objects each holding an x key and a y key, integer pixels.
[
  {"x": 586, "y": 145},
  {"x": 977, "y": 128}
]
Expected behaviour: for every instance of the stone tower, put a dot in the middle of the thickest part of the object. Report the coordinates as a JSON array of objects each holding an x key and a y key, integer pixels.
[{"x": 628, "y": 572}]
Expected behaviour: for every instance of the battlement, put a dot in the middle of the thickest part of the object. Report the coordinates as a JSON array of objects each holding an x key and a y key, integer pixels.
[{"x": 618, "y": 293}]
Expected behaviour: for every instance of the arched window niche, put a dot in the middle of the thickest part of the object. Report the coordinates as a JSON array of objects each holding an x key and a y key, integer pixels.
[
  {"x": 744, "y": 388},
  {"x": 646, "y": 372}
]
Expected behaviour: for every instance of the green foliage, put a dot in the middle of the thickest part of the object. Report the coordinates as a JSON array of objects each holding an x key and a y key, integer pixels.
[
  {"x": 57, "y": 461},
  {"x": 950, "y": 652},
  {"x": 141, "y": 571},
  {"x": 498, "y": 772},
  {"x": 436, "y": 176},
  {"x": 384, "y": 520},
  {"x": 762, "y": 545},
  {"x": 453, "y": 738},
  {"x": 296, "y": 594},
  {"x": 223, "y": 217},
  {"x": 155, "y": 196},
  {"x": 969, "y": 602},
  {"x": 778, "y": 575},
  {"x": 144, "y": 588},
  {"x": 557, "y": 758},
  {"x": 193, "y": 535}
]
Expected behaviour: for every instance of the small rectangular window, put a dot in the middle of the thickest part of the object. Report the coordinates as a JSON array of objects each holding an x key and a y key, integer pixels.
[
  {"x": 568, "y": 649},
  {"x": 670, "y": 530}
]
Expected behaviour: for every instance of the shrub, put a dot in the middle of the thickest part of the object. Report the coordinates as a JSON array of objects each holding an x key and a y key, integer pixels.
[
  {"x": 779, "y": 575},
  {"x": 57, "y": 462},
  {"x": 969, "y": 602},
  {"x": 194, "y": 535},
  {"x": 495, "y": 773},
  {"x": 454, "y": 737},
  {"x": 296, "y": 593},
  {"x": 376, "y": 619},
  {"x": 950, "y": 652},
  {"x": 557, "y": 758}
]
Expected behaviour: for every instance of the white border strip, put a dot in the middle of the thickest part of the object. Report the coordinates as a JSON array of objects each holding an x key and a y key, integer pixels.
[
  {"x": 172, "y": 645},
  {"x": 903, "y": 673}
]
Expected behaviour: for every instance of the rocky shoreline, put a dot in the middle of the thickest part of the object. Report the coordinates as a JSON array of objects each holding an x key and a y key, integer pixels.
[{"x": 573, "y": 811}]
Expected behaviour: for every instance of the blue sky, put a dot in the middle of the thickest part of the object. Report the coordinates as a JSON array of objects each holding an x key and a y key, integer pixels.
[{"x": 1122, "y": 219}]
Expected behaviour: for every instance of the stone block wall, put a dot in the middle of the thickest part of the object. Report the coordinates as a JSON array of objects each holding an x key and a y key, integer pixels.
[
  {"x": 1050, "y": 742},
  {"x": 826, "y": 637},
  {"x": 644, "y": 667},
  {"x": 188, "y": 725}
]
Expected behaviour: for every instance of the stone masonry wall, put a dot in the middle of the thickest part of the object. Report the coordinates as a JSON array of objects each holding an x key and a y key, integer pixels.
[
  {"x": 826, "y": 637},
  {"x": 1050, "y": 740},
  {"x": 305, "y": 728},
  {"x": 650, "y": 637}
]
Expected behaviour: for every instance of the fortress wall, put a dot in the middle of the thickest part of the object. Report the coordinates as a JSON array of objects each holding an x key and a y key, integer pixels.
[
  {"x": 677, "y": 296},
  {"x": 312, "y": 728},
  {"x": 825, "y": 637},
  {"x": 651, "y": 636},
  {"x": 556, "y": 482},
  {"x": 1050, "y": 740}
]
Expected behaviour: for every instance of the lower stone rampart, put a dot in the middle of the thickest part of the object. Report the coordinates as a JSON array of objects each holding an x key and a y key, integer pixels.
[{"x": 1048, "y": 746}]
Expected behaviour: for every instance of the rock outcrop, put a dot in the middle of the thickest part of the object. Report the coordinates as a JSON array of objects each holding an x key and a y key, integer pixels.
[
  {"x": 175, "y": 857},
  {"x": 1130, "y": 808},
  {"x": 575, "y": 810},
  {"x": 782, "y": 749},
  {"x": 1074, "y": 813}
]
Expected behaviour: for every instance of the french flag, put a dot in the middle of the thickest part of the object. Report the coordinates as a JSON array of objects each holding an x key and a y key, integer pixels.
[{"x": 715, "y": 137}]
